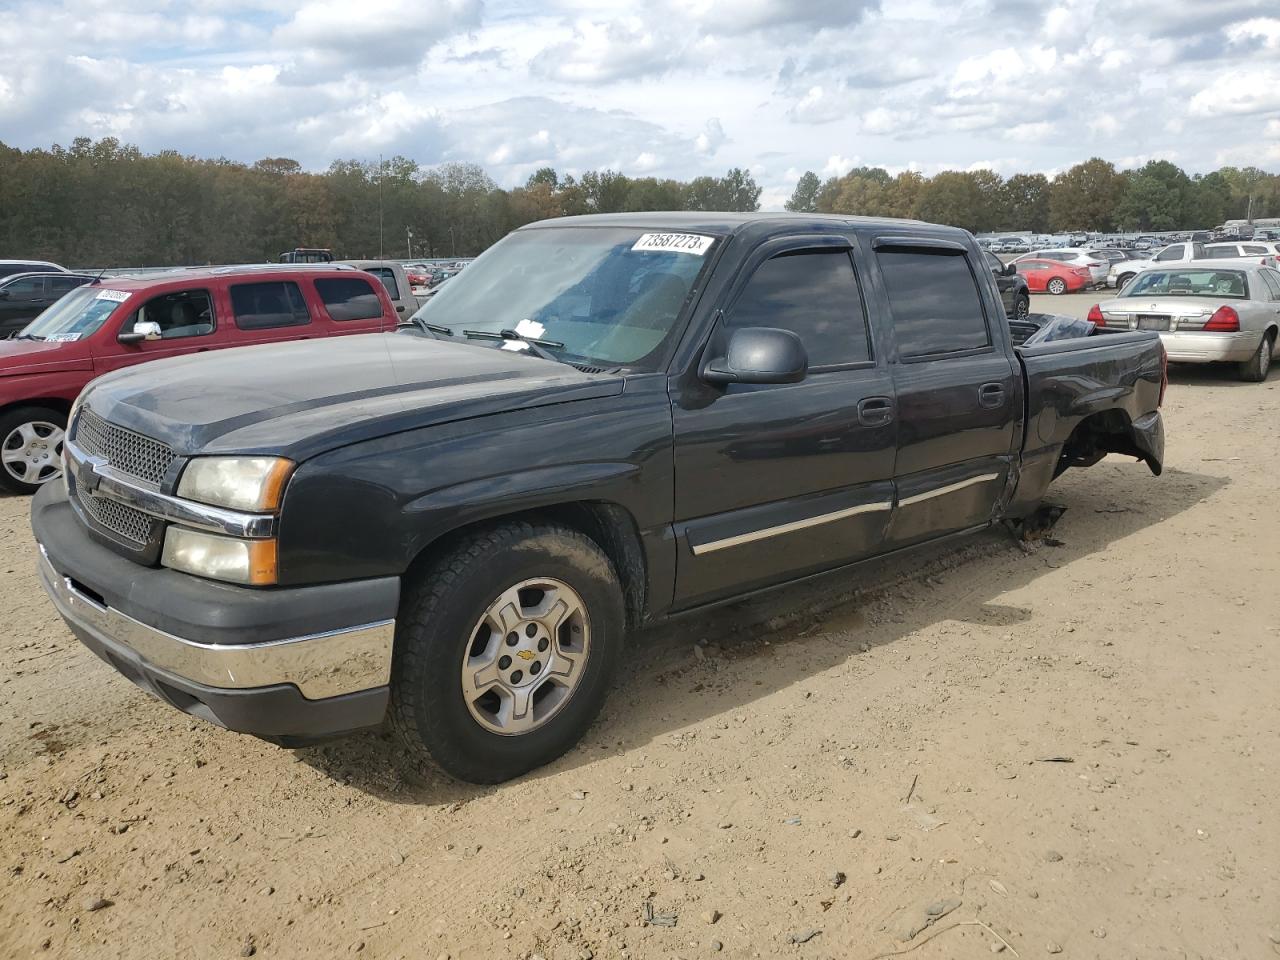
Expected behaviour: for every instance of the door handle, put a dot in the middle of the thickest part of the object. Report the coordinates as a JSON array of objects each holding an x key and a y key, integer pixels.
[
  {"x": 991, "y": 395},
  {"x": 875, "y": 411}
]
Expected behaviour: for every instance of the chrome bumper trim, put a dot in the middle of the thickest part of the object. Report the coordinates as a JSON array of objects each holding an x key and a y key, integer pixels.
[
  {"x": 320, "y": 665},
  {"x": 100, "y": 479}
]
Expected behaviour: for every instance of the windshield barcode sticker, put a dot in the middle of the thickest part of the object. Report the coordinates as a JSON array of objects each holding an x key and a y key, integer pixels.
[
  {"x": 693, "y": 243},
  {"x": 63, "y": 337},
  {"x": 118, "y": 296}
]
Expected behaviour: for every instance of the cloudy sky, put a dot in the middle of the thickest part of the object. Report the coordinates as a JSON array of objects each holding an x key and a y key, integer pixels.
[{"x": 663, "y": 87}]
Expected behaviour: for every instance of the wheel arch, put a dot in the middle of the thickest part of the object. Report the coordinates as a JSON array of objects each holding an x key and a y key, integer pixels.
[
  {"x": 609, "y": 524},
  {"x": 61, "y": 404}
]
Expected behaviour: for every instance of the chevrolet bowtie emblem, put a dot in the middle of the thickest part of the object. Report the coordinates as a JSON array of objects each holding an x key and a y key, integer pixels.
[
  {"x": 524, "y": 654},
  {"x": 87, "y": 476}
]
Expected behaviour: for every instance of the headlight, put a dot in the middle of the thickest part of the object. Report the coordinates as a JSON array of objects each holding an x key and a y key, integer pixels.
[
  {"x": 239, "y": 483},
  {"x": 220, "y": 558}
]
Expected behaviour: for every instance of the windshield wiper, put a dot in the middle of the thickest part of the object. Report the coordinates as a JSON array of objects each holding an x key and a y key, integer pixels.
[
  {"x": 537, "y": 346},
  {"x": 27, "y": 336},
  {"x": 427, "y": 326}
]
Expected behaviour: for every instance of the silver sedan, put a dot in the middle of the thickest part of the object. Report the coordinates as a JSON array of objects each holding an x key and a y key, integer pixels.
[{"x": 1205, "y": 311}]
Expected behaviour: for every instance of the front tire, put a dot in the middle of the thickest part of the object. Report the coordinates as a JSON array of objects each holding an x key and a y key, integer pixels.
[
  {"x": 1256, "y": 368},
  {"x": 1022, "y": 307},
  {"x": 1123, "y": 281},
  {"x": 1057, "y": 286},
  {"x": 31, "y": 441},
  {"x": 505, "y": 651}
]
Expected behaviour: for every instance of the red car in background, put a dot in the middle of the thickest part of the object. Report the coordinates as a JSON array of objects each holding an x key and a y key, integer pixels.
[
  {"x": 117, "y": 322},
  {"x": 1053, "y": 276}
]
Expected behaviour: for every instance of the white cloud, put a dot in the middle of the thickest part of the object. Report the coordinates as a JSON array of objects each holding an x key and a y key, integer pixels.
[{"x": 652, "y": 88}]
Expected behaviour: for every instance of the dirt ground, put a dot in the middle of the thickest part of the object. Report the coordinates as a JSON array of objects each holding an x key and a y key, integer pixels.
[{"x": 1069, "y": 749}]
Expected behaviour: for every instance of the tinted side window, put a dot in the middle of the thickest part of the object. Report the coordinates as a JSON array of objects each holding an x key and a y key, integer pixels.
[
  {"x": 994, "y": 262},
  {"x": 61, "y": 285},
  {"x": 935, "y": 302},
  {"x": 188, "y": 313},
  {"x": 388, "y": 278},
  {"x": 349, "y": 298},
  {"x": 1252, "y": 249},
  {"x": 814, "y": 294},
  {"x": 31, "y": 288},
  {"x": 261, "y": 306},
  {"x": 1173, "y": 253}
]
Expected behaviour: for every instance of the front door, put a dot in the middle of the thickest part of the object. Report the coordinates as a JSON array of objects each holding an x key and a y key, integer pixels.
[
  {"x": 775, "y": 481},
  {"x": 188, "y": 323},
  {"x": 959, "y": 394}
]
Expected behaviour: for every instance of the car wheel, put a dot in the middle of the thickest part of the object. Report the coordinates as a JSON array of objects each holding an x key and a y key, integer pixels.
[
  {"x": 1057, "y": 286},
  {"x": 1022, "y": 307},
  {"x": 1124, "y": 280},
  {"x": 31, "y": 441},
  {"x": 1256, "y": 368},
  {"x": 505, "y": 651}
]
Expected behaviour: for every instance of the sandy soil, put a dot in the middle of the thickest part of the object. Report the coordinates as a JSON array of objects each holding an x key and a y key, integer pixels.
[{"x": 1067, "y": 749}]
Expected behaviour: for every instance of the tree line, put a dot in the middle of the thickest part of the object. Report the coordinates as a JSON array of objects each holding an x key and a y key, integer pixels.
[
  {"x": 1092, "y": 195},
  {"x": 107, "y": 204}
]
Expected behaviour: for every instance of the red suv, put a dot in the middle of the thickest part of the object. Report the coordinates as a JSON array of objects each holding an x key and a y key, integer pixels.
[{"x": 117, "y": 322}]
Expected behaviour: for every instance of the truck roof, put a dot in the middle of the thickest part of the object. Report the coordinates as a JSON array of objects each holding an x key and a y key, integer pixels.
[{"x": 724, "y": 224}]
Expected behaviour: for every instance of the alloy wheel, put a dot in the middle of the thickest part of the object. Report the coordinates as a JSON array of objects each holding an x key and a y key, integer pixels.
[
  {"x": 32, "y": 452},
  {"x": 526, "y": 656}
]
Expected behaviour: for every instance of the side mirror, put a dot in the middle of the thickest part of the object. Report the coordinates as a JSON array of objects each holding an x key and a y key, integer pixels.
[
  {"x": 142, "y": 330},
  {"x": 759, "y": 355},
  {"x": 1010, "y": 269}
]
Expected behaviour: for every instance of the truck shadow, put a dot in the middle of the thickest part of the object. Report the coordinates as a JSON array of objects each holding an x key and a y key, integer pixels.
[
  {"x": 1208, "y": 375},
  {"x": 693, "y": 666}
]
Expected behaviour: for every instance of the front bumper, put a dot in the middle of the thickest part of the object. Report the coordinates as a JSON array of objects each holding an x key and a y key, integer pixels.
[
  {"x": 1198, "y": 347},
  {"x": 300, "y": 663}
]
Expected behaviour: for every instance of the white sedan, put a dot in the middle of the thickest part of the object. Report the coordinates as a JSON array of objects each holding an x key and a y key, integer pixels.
[{"x": 1205, "y": 311}]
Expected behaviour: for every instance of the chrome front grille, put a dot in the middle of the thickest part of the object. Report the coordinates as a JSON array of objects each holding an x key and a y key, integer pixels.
[
  {"x": 125, "y": 522},
  {"x": 132, "y": 453}
]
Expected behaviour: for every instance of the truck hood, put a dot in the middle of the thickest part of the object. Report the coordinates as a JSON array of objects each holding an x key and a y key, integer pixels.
[
  {"x": 302, "y": 398},
  {"x": 41, "y": 356}
]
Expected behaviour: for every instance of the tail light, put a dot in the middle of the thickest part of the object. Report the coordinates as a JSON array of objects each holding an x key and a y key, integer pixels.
[
  {"x": 1224, "y": 320},
  {"x": 1095, "y": 316}
]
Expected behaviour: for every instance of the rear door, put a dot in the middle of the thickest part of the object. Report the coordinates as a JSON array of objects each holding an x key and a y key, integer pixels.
[
  {"x": 267, "y": 311},
  {"x": 775, "y": 481},
  {"x": 959, "y": 394}
]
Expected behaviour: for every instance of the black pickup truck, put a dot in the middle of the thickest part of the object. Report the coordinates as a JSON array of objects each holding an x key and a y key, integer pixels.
[{"x": 602, "y": 422}]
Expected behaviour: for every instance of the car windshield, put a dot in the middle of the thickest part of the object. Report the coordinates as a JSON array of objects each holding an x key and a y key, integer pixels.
[
  {"x": 77, "y": 315},
  {"x": 1189, "y": 283},
  {"x": 606, "y": 296}
]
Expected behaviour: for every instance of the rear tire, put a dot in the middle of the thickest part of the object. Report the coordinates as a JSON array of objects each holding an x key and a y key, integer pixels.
[
  {"x": 445, "y": 624},
  {"x": 1022, "y": 307},
  {"x": 31, "y": 441},
  {"x": 1256, "y": 368},
  {"x": 1057, "y": 286}
]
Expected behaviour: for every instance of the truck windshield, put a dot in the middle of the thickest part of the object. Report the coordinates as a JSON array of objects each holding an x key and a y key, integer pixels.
[
  {"x": 77, "y": 315},
  {"x": 1189, "y": 283},
  {"x": 597, "y": 295}
]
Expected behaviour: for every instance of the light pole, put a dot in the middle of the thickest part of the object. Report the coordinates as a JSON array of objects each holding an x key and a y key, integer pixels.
[{"x": 409, "y": 241}]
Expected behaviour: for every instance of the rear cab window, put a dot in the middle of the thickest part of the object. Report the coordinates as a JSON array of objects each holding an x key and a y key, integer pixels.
[
  {"x": 934, "y": 301},
  {"x": 348, "y": 298},
  {"x": 388, "y": 278},
  {"x": 268, "y": 305}
]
